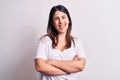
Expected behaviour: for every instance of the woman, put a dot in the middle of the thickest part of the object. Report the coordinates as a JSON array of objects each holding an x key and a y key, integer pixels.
[{"x": 59, "y": 55}]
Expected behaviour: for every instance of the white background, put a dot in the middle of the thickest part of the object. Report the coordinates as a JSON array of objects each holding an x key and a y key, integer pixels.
[{"x": 96, "y": 22}]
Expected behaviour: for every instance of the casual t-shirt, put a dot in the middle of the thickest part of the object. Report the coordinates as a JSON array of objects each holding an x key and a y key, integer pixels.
[{"x": 46, "y": 51}]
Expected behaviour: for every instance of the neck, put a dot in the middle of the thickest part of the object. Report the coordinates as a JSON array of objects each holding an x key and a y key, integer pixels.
[{"x": 62, "y": 37}]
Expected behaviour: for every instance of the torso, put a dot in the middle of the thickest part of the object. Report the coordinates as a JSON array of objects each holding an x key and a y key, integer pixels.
[
  {"x": 59, "y": 52},
  {"x": 61, "y": 45}
]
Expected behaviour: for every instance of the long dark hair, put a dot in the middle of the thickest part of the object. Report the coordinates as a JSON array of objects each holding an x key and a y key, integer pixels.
[{"x": 52, "y": 32}]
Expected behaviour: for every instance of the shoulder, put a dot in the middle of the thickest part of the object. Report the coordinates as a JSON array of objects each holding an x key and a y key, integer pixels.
[
  {"x": 44, "y": 39},
  {"x": 77, "y": 40}
]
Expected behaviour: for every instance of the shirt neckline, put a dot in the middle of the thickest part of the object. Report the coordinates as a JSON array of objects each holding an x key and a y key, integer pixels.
[{"x": 63, "y": 50}]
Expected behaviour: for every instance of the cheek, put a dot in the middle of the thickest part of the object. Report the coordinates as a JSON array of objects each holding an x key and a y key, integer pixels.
[{"x": 55, "y": 23}]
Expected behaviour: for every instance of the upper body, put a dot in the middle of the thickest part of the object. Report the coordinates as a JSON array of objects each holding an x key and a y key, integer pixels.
[
  {"x": 59, "y": 55},
  {"x": 64, "y": 64}
]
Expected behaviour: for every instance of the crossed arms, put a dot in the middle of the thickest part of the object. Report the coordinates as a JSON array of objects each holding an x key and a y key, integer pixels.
[{"x": 60, "y": 67}]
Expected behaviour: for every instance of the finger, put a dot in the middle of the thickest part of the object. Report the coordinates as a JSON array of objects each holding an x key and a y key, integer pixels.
[{"x": 75, "y": 57}]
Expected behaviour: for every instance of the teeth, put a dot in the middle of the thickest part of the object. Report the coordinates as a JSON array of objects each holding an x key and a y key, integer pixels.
[{"x": 61, "y": 25}]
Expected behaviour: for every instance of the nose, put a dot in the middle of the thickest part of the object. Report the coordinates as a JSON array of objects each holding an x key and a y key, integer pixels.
[{"x": 60, "y": 21}]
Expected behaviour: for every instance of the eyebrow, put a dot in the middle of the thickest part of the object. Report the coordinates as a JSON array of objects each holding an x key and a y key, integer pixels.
[{"x": 61, "y": 16}]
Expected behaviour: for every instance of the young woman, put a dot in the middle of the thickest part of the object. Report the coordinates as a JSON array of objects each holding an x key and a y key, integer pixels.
[{"x": 60, "y": 56}]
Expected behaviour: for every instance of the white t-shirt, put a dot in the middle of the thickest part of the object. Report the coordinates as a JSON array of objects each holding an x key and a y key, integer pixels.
[{"x": 46, "y": 51}]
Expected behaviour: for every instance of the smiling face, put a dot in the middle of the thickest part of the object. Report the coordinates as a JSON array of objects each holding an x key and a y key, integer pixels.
[{"x": 60, "y": 22}]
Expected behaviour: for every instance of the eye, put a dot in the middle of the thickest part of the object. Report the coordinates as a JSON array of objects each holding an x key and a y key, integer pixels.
[
  {"x": 55, "y": 18},
  {"x": 63, "y": 17}
]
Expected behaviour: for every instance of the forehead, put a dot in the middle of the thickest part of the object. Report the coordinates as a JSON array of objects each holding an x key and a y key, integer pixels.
[{"x": 59, "y": 13}]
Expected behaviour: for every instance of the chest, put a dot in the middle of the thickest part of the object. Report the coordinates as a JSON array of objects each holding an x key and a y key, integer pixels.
[{"x": 55, "y": 53}]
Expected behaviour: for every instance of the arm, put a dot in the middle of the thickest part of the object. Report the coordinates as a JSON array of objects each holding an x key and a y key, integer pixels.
[
  {"x": 43, "y": 67},
  {"x": 70, "y": 66}
]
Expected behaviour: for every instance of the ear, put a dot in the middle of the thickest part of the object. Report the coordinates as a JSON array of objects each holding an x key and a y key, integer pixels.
[{"x": 68, "y": 21}]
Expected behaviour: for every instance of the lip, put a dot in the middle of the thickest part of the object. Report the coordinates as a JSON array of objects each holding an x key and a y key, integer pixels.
[{"x": 61, "y": 26}]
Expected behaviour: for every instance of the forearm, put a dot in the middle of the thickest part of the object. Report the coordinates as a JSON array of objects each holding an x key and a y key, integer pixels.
[
  {"x": 51, "y": 70},
  {"x": 43, "y": 67},
  {"x": 69, "y": 66}
]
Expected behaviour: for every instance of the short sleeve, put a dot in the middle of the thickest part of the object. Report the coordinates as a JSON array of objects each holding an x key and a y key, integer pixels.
[
  {"x": 41, "y": 49},
  {"x": 79, "y": 48}
]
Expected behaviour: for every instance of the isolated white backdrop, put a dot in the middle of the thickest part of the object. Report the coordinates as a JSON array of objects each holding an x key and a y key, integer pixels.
[{"x": 96, "y": 22}]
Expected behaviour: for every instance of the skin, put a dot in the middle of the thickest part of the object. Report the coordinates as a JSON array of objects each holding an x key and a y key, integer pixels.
[
  {"x": 60, "y": 21},
  {"x": 60, "y": 67},
  {"x": 69, "y": 66}
]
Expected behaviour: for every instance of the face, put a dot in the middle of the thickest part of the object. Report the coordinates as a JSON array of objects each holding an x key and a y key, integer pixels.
[{"x": 60, "y": 21}]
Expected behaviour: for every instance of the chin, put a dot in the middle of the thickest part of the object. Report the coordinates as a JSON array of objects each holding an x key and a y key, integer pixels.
[{"x": 62, "y": 31}]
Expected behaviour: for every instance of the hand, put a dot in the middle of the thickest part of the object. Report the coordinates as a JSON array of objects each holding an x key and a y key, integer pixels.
[{"x": 76, "y": 57}]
